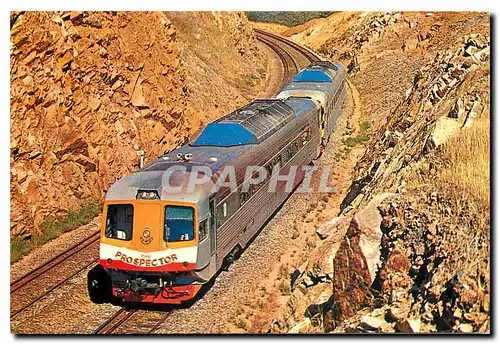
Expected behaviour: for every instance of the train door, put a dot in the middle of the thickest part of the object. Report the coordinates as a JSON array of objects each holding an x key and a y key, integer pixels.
[
  {"x": 213, "y": 226},
  {"x": 148, "y": 226}
]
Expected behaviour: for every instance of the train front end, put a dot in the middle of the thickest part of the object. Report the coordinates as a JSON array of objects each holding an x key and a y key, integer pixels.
[{"x": 149, "y": 244}]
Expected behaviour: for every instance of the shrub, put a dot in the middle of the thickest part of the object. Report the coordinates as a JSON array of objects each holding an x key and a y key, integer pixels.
[{"x": 284, "y": 287}]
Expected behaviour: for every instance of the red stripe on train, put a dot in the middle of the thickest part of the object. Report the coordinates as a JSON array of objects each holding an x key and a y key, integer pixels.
[{"x": 118, "y": 264}]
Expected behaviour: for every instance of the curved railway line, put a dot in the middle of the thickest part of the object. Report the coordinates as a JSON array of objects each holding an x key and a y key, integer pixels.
[
  {"x": 285, "y": 50},
  {"x": 308, "y": 54},
  {"x": 290, "y": 66}
]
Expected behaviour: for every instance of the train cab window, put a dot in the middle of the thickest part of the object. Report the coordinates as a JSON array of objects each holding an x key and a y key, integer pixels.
[
  {"x": 119, "y": 221},
  {"x": 203, "y": 230},
  {"x": 179, "y": 223}
]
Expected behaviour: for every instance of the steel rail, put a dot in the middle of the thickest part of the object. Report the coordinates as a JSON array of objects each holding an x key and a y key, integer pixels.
[
  {"x": 53, "y": 287},
  {"x": 110, "y": 325},
  {"x": 53, "y": 262},
  {"x": 287, "y": 60},
  {"x": 311, "y": 56},
  {"x": 158, "y": 324}
]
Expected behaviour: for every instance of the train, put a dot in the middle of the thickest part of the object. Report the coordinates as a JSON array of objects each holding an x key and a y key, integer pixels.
[{"x": 162, "y": 241}]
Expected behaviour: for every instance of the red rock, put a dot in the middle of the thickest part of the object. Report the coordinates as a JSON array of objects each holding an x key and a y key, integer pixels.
[{"x": 408, "y": 326}]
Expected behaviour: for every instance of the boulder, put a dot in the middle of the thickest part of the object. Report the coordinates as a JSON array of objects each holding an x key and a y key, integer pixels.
[
  {"x": 444, "y": 129},
  {"x": 328, "y": 227},
  {"x": 370, "y": 323},
  {"x": 466, "y": 328},
  {"x": 396, "y": 314},
  {"x": 357, "y": 259},
  {"x": 321, "y": 303},
  {"x": 408, "y": 326},
  {"x": 301, "y": 326},
  {"x": 369, "y": 220}
]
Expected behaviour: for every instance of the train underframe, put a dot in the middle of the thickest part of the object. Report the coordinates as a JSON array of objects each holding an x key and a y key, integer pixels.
[{"x": 118, "y": 286}]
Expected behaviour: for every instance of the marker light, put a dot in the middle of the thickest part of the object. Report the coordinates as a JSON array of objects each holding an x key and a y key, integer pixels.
[{"x": 147, "y": 194}]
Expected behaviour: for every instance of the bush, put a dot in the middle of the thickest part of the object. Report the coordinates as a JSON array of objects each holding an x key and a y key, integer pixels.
[
  {"x": 242, "y": 324},
  {"x": 284, "y": 288}
]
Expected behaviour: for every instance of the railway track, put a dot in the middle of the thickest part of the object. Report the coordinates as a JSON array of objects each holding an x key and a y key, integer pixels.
[
  {"x": 149, "y": 322},
  {"x": 36, "y": 284},
  {"x": 110, "y": 325},
  {"x": 290, "y": 65},
  {"x": 282, "y": 47},
  {"x": 308, "y": 54}
]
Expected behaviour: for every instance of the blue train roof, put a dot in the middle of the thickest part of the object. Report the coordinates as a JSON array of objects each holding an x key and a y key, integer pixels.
[
  {"x": 250, "y": 124},
  {"x": 312, "y": 75},
  {"x": 224, "y": 134}
]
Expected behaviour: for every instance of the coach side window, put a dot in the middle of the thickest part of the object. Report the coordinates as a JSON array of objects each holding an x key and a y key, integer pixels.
[
  {"x": 203, "y": 229},
  {"x": 306, "y": 136},
  {"x": 277, "y": 161},
  {"x": 244, "y": 196},
  {"x": 269, "y": 169},
  {"x": 222, "y": 213}
]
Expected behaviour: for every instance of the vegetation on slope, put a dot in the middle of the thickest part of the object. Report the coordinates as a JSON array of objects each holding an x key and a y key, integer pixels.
[
  {"x": 288, "y": 18},
  {"x": 51, "y": 229}
]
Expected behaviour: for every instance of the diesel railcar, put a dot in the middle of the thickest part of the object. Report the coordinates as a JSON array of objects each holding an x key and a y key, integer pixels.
[{"x": 167, "y": 228}]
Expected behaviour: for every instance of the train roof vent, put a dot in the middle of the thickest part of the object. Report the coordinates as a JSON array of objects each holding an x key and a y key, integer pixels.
[
  {"x": 250, "y": 124},
  {"x": 323, "y": 64},
  {"x": 262, "y": 117}
]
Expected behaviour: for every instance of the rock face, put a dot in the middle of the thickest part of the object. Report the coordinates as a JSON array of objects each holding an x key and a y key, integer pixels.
[
  {"x": 421, "y": 259},
  {"x": 430, "y": 114},
  {"x": 409, "y": 253},
  {"x": 88, "y": 90},
  {"x": 356, "y": 261}
]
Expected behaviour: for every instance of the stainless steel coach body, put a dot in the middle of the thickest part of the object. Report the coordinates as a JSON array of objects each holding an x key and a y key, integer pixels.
[
  {"x": 236, "y": 216},
  {"x": 325, "y": 83}
]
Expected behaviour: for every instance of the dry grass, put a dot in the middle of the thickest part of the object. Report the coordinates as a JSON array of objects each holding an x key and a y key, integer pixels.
[
  {"x": 264, "y": 315},
  {"x": 468, "y": 154},
  {"x": 463, "y": 184}
]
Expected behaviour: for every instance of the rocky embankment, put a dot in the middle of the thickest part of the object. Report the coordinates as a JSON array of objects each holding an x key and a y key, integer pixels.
[
  {"x": 90, "y": 90},
  {"x": 409, "y": 249}
]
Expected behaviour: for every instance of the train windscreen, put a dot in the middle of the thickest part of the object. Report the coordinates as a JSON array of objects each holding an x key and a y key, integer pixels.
[
  {"x": 179, "y": 223},
  {"x": 119, "y": 221}
]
